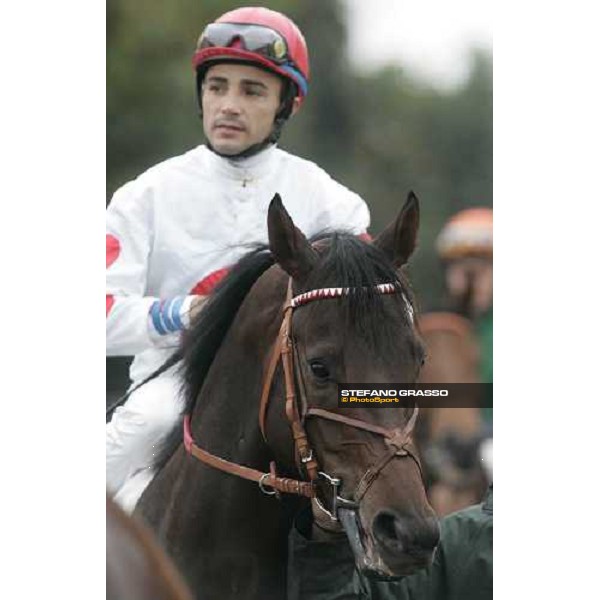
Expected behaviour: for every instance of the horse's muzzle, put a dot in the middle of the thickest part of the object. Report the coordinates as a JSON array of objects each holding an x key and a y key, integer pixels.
[
  {"x": 405, "y": 542},
  {"x": 395, "y": 549}
]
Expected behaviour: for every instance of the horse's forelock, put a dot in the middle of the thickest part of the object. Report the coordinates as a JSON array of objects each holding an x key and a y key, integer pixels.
[{"x": 347, "y": 261}]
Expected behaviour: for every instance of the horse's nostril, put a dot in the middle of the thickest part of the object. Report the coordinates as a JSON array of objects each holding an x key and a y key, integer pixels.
[
  {"x": 406, "y": 534},
  {"x": 386, "y": 529}
]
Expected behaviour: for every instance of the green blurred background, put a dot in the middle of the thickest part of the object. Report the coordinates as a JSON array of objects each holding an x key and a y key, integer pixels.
[{"x": 380, "y": 132}]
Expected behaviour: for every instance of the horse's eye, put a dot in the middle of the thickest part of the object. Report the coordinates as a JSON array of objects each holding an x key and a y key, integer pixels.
[{"x": 319, "y": 370}]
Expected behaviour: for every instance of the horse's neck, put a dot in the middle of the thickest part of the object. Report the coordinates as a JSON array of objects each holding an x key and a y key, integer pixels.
[
  {"x": 226, "y": 412},
  {"x": 235, "y": 542},
  {"x": 227, "y": 408},
  {"x": 224, "y": 532}
]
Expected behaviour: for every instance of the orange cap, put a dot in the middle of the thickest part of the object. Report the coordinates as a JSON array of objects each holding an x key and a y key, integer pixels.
[{"x": 468, "y": 233}]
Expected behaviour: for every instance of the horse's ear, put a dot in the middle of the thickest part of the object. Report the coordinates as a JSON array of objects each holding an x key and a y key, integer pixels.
[
  {"x": 290, "y": 248},
  {"x": 398, "y": 239}
]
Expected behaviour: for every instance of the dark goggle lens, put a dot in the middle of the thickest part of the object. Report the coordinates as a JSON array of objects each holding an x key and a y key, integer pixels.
[{"x": 254, "y": 38}]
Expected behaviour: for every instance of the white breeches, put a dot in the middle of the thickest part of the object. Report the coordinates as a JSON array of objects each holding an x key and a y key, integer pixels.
[{"x": 135, "y": 434}]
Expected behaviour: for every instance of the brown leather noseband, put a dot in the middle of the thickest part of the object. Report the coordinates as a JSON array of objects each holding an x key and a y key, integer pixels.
[{"x": 398, "y": 440}]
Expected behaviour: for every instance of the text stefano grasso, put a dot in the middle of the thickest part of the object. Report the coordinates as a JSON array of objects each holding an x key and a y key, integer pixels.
[{"x": 391, "y": 393}]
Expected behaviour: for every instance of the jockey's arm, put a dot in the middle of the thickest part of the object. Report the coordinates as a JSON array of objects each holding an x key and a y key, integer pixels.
[
  {"x": 136, "y": 321},
  {"x": 338, "y": 208}
]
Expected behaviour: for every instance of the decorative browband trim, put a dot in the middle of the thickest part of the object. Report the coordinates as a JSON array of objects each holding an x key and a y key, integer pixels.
[{"x": 338, "y": 292}]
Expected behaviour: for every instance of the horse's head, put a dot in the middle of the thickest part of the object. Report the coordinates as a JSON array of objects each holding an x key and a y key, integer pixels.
[{"x": 360, "y": 336}]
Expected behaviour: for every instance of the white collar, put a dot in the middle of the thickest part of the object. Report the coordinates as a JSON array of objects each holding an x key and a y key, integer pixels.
[{"x": 246, "y": 169}]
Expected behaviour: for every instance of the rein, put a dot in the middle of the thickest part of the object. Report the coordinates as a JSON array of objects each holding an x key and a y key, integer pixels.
[{"x": 320, "y": 485}]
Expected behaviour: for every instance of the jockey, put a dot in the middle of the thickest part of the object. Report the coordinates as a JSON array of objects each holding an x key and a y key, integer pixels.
[
  {"x": 466, "y": 247},
  {"x": 173, "y": 232}
]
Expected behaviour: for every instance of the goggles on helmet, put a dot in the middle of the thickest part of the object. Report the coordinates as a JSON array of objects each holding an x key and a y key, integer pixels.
[{"x": 261, "y": 40}]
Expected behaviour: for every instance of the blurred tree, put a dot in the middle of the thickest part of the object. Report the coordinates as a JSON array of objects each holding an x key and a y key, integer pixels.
[{"x": 325, "y": 124}]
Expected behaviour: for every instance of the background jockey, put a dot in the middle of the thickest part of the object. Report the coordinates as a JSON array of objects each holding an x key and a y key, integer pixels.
[
  {"x": 174, "y": 231},
  {"x": 465, "y": 245}
]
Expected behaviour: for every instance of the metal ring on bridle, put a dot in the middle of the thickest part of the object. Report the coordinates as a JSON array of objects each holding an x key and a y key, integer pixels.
[{"x": 262, "y": 486}]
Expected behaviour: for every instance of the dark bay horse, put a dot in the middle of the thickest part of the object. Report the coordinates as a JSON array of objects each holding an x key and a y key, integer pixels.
[{"x": 352, "y": 322}]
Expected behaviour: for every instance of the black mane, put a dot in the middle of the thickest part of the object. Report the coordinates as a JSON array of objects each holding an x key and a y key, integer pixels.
[{"x": 346, "y": 261}]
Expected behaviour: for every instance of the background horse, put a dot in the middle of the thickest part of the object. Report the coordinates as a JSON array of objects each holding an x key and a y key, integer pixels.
[
  {"x": 229, "y": 538},
  {"x": 136, "y": 566},
  {"x": 449, "y": 437}
]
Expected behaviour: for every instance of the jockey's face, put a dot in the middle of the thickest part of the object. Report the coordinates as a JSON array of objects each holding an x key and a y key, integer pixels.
[{"x": 239, "y": 104}]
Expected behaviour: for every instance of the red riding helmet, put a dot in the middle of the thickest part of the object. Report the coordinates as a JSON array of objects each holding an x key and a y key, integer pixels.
[{"x": 260, "y": 36}]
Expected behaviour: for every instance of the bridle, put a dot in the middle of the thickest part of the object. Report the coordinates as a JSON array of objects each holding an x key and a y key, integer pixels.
[{"x": 320, "y": 485}]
